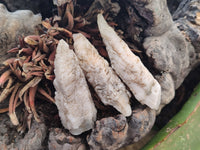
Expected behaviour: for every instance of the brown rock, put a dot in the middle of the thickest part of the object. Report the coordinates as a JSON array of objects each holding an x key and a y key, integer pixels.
[
  {"x": 61, "y": 140},
  {"x": 10, "y": 139},
  {"x": 109, "y": 133},
  {"x": 141, "y": 122}
]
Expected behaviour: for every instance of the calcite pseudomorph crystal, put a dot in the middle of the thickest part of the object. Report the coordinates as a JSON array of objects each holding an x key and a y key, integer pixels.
[
  {"x": 129, "y": 67},
  {"x": 72, "y": 96},
  {"x": 106, "y": 83}
]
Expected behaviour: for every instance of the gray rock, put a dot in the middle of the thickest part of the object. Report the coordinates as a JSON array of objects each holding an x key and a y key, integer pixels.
[
  {"x": 8, "y": 133},
  {"x": 162, "y": 20},
  {"x": 10, "y": 139},
  {"x": 114, "y": 132},
  {"x": 109, "y": 133},
  {"x": 187, "y": 20},
  {"x": 187, "y": 8},
  {"x": 34, "y": 139},
  {"x": 170, "y": 53},
  {"x": 166, "y": 46},
  {"x": 14, "y": 25},
  {"x": 141, "y": 122},
  {"x": 167, "y": 88},
  {"x": 169, "y": 48},
  {"x": 62, "y": 140}
]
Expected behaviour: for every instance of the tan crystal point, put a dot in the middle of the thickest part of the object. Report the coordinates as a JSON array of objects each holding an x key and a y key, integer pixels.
[
  {"x": 129, "y": 67},
  {"x": 72, "y": 96},
  {"x": 106, "y": 83}
]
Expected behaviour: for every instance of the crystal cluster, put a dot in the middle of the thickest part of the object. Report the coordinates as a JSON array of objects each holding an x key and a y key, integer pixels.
[{"x": 73, "y": 98}]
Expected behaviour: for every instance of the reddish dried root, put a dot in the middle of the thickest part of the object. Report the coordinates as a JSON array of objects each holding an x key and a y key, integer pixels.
[
  {"x": 26, "y": 102},
  {"x": 9, "y": 61},
  {"x": 70, "y": 18},
  {"x": 4, "y": 77},
  {"x": 44, "y": 93},
  {"x": 31, "y": 83},
  {"x": 7, "y": 90},
  {"x": 46, "y": 24},
  {"x": 32, "y": 92},
  {"x": 13, "y": 50},
  {"x": 12, "y": 104},
  {"x": 32, "y": 39}
]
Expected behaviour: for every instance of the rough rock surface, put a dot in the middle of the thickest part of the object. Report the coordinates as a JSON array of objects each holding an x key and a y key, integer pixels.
[
  {"x": 167, "y": 88},
  {"x": 140, "y": 123},
  {"x": 114, "y": 132},
  {"x": 167, "y": 47},
  {"x": 171, "y": 54},
  {"x": 187, "y": 19},
  {"x": 109, "y": 133},
  {"x": 14, "y": 25},
  {"x": 33, "y": 140},
  {"x": 61, "y": 140}
]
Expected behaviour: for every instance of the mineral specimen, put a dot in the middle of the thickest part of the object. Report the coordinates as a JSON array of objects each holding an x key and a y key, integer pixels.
[
  {"x": 129, "y": 67},
  {"x": 72, "y": 96},
  {"x": 104, "y": 80}
]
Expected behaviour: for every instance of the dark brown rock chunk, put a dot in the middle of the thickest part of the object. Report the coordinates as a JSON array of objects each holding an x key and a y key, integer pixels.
[
  {"x": 34, "y": 139},
  {"x": 61, "y": 140},
  {"x": 141, "y": 122},
  {"x": 109, "y": 133},
  {"x": 114, "y": 132},
  {"x": 187, "y": 19}
]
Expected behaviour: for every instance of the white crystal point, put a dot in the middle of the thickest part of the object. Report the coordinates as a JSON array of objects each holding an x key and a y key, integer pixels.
[
  {"x": 106, "y": 83},
  {"x": 129, "y": 67},
  {"x": 72, "y": 96}
]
